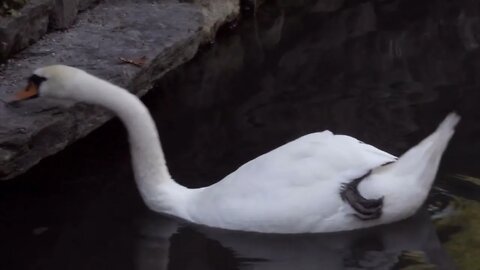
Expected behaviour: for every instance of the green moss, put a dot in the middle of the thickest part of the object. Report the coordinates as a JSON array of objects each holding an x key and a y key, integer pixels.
[
  {"x": 463, "y": 230},
  {"x": 413, "y": 260},
  {"x": 11, "y": 7}
]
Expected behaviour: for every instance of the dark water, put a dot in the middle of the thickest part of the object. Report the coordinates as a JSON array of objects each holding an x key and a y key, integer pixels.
[{"x": 385, "y": 72}]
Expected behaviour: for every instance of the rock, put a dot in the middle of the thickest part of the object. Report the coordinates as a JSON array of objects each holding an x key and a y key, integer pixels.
[
  {"x": 251, "y": 5},
  {"x": 64, "y": 13},
  {"x": 18, "y": 32},
  {"x": 84, "y": 4},
  {"x": 217, "y": 12},
  {"x": 165, "y": 33}
]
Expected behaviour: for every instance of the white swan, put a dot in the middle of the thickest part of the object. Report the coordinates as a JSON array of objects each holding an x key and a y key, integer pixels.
[{"x": 320, "y": 182}]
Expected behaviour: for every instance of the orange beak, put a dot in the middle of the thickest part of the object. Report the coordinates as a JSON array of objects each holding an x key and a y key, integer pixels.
[{"x": 30, "y": 91}]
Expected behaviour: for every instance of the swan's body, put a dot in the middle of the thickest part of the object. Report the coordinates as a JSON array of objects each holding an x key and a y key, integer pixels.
[{"x": 292, "y": 189}]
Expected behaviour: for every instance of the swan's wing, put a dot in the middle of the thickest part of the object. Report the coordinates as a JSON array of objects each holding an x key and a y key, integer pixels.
[{"x": 314, "y": 157}]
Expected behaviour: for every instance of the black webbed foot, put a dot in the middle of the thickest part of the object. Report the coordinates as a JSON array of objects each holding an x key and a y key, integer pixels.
[{"x": 366, "y": 209}]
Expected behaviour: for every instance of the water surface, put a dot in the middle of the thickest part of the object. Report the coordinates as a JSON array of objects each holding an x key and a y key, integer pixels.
[{"x": 386, "y": 72}]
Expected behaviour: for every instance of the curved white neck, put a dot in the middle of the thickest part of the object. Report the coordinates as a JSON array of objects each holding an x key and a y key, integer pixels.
[
  {"x": 159, "y": 191},
  {"x": 148, "y": 160}
]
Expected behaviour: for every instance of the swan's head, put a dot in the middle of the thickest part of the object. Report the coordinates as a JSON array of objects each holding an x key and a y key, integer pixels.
[{"x": 56, "y": 81}]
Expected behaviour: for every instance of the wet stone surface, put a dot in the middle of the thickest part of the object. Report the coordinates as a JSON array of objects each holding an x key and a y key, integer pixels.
[{"x": 164, "y": 34}]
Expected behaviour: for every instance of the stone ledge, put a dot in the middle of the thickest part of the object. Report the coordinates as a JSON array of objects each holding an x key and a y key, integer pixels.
[
  {"x": 20, "y": 31},
  {"x": 34, "y": 20},
  {"x": 163, "y": 33}
]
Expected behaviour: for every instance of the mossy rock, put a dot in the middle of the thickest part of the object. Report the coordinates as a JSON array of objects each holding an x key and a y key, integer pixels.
[
  {"x": 413, "y": 260},
  {"x": 11, "y": 7},
  {"x": 462, "y": 231}
]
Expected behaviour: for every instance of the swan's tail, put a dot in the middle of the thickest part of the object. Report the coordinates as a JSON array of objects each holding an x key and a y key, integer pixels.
[{"x": 421, "y": 161}]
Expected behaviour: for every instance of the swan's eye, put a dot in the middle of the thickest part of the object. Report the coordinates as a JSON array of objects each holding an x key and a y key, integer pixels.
[{"x": 31, "y": 91}]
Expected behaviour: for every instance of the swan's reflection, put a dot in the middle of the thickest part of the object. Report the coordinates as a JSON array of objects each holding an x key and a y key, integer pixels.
[{"x": 165, "y": 243}]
